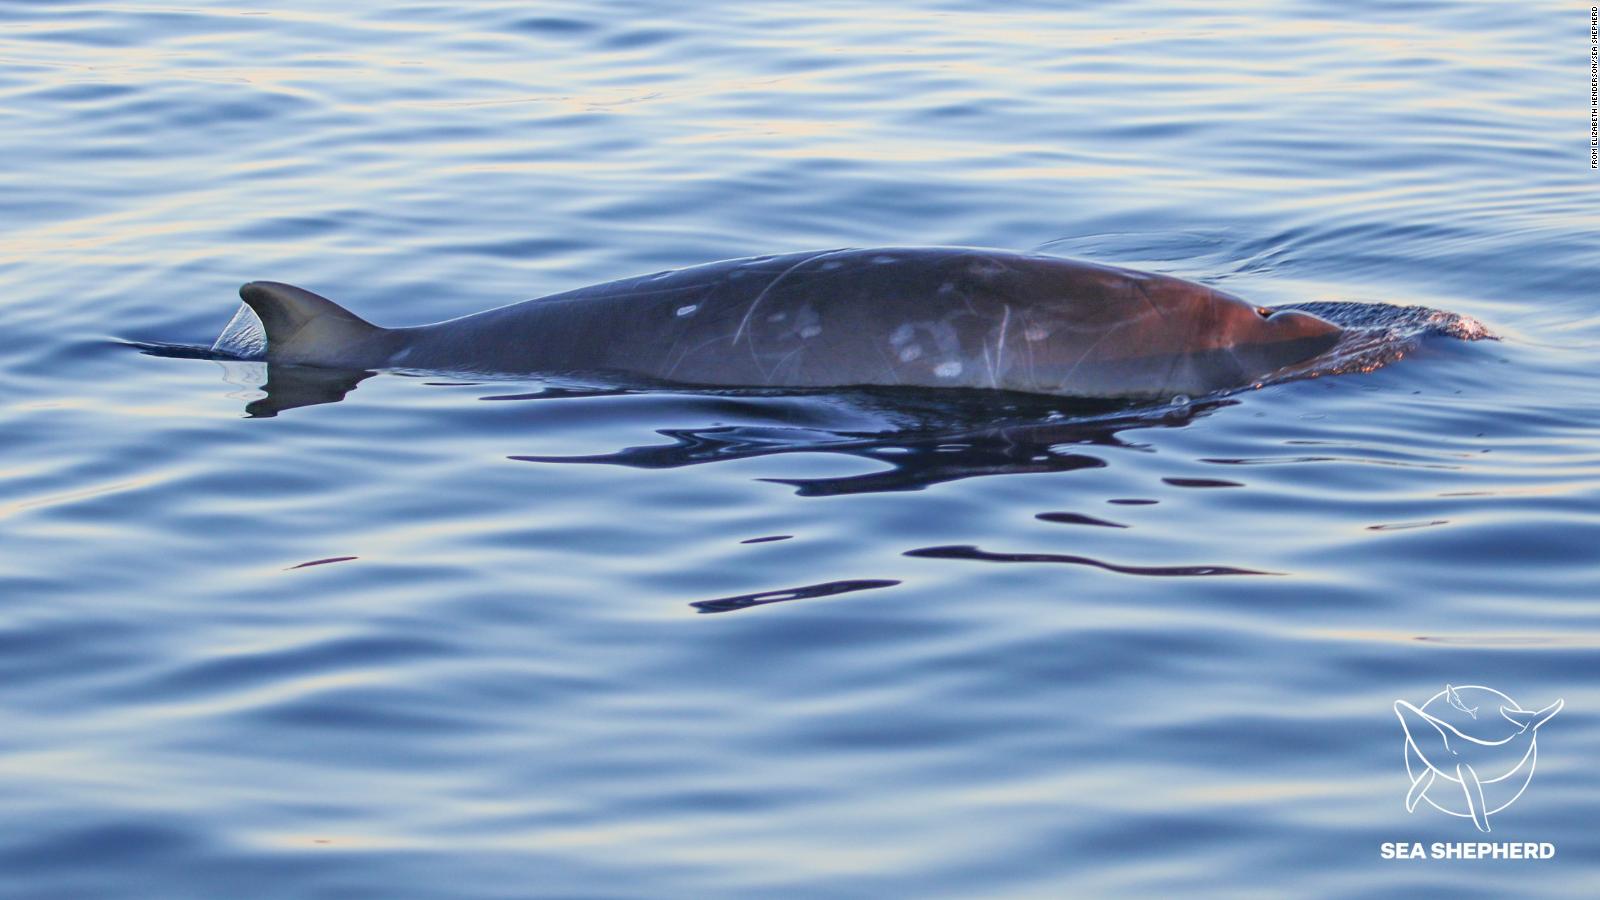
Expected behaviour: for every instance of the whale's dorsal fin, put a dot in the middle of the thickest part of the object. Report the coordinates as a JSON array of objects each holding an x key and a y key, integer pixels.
[
  {"x": 308, "y": 328},
  {"x": 1527, "y": 719}
]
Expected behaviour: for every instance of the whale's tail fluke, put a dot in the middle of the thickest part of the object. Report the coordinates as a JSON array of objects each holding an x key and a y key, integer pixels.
[
  {"x": 309, "y": 329},
  {"x": 1527, "y": 719}
]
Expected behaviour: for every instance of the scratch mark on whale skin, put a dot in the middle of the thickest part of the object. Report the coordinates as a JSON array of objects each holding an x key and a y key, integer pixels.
[
  {"x": 1000, "y": 349},
  {"x": 744, "y": 323},
  {"x": 690, "y": 352}
]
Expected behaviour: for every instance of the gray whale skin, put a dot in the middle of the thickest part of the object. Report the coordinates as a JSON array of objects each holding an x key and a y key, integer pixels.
[{"x": 933, "y": 316}]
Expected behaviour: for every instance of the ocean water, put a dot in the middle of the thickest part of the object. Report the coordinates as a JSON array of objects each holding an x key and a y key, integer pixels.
[{"x": 452, "y": 638}]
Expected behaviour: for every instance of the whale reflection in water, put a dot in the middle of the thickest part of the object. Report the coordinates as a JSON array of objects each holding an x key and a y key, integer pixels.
[{"x": 932, "y": 438}]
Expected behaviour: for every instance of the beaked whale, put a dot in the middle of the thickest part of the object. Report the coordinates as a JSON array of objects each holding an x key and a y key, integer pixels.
[{"x": 933, "y": 316}]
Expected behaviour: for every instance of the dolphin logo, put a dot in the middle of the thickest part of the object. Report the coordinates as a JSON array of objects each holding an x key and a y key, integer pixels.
[
  {"x": 1456, "y": 701},
  {"x": 1490, "y": 757}
]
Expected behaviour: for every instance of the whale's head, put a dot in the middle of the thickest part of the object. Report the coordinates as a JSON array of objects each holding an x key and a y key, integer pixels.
[
  {"x": 1264, "y": 340},
  {"x": 1221, "y": 341}
]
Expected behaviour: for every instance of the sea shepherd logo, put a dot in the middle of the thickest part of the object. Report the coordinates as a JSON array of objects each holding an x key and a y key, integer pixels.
[{"x": 1470, "y": 751}]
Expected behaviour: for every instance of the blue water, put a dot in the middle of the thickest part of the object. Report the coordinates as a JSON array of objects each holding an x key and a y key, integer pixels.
[{"x": 560, "y": 643}]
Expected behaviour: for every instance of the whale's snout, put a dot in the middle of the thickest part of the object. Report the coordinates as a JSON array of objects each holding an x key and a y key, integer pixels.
[
  {"x": 1296, "y": 325},
  {"x": 1289, "y": 337}
]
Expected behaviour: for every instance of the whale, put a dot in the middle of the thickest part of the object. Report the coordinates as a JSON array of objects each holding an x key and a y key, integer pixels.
[
  {"x": 1470, "y": 752},
  {"x": 935, "y": 317}
]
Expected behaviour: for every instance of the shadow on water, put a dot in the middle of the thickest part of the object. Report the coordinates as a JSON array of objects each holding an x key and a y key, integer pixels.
[
  {"x": 936, "y": 437},
  {"x": 745, "y": 601},
  {"x": 966, "y": 551},
  {"x": 291, "y": 387},
  {"x": 283, "y": 387},
  {"x": 921, "y": 436},
  {"x": 924, "y": 438}
]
